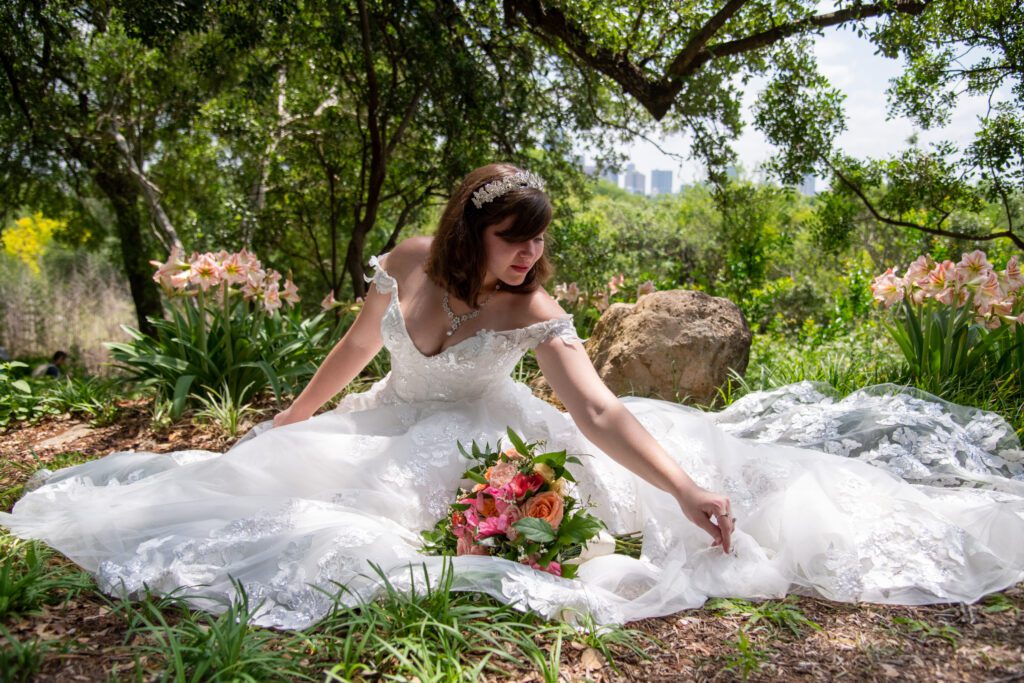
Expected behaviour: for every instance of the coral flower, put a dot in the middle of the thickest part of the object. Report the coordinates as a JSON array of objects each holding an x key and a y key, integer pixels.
[{"x": 548, "y": 506}]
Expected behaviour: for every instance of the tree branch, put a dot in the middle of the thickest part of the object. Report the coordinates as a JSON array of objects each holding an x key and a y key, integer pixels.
[
  {"x": 165, "y": 229},
  {"x": 856, "y": 189},
  {"x": 657, "y": 94},
  {"x": 681, "y": 64}
]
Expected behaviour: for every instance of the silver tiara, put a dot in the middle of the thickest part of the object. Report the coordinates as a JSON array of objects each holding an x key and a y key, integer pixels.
[{"x": 491, "y": 191}]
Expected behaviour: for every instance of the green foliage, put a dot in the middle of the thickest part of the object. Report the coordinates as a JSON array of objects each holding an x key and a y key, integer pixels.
[
  {"x": 17, "y": 400},
  {"x": 20, "y": 661},
  {"x": 231, "y": 346},
  {"x": 28, "y": 580},
  {"x": 922, "y": 630},
  {"x": 198, "y": 646},
  {"x": 746, "y": 657},
  {"x": 222, "y": 409},
  {"x": 92, "y": 397},
  {"x": 432, "y": 633},
  {"x": 997, "y": 603},
  {"x": 776, "y": 615}
]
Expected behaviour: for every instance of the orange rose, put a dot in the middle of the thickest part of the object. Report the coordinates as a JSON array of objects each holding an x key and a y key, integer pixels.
[{"x": 548, "y": 506}]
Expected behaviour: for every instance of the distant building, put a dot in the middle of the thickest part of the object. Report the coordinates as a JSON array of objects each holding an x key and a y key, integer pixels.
[
  {"x": 661, "y": 182},
  {"x": 590, "y": 170},
  {"x": 611, "y": 176},
  {"x": 806, "y": 186},
  {"x": 635, "y": 181}
]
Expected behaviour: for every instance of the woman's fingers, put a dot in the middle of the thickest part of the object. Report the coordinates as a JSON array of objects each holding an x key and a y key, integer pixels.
[{"x": 726, "y": 525}]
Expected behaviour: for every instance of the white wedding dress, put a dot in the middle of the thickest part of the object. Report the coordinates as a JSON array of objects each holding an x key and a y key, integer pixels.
[{"x": 885, "y": 496}]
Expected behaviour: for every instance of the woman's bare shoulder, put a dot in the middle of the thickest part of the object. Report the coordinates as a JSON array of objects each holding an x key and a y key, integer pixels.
[
  {"x": 540, "y": 307},
  {"x": 408, "y": 255}
]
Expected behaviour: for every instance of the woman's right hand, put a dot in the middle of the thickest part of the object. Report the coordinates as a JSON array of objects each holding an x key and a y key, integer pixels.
[{"x": 288, "y": 416}]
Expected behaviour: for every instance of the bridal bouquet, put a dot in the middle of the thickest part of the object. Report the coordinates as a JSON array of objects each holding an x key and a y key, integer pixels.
[{"x": 518, "y": 508}]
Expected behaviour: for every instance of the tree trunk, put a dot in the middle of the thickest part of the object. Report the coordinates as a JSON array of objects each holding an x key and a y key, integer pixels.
[{"x": 122, "y": 192}]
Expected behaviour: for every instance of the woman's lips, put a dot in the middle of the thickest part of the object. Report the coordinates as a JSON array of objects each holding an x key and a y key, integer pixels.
[{"x": 520, "y": 269}]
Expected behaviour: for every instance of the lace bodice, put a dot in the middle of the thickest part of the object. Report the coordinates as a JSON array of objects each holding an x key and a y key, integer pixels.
[{"x": 474, "y": 366}]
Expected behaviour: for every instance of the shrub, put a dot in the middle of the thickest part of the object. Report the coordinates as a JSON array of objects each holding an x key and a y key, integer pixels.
[{"x": 225, "y": 333}]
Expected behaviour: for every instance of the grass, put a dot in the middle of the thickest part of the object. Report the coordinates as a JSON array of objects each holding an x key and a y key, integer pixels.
[
  {"x": 429, "y": 634},
  {"x": 20, "y": 660},
  {"x": 28, "y": 581}
]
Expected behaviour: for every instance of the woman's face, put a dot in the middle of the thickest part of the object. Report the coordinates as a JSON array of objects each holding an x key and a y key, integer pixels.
[{"x": 509, "y": 261}]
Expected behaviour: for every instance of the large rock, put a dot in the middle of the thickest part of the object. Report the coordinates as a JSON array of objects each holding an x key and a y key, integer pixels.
[{"x": 677, "y": 345}]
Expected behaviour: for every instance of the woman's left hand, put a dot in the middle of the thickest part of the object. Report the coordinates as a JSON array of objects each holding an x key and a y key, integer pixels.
[{"x": 700, "y": 506}]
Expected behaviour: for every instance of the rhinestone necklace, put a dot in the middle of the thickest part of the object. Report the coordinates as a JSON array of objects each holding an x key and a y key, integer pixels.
[{"x": 456, "y": 320}]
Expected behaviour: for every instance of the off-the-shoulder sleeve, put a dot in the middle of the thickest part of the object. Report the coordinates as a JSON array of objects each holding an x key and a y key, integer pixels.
[
  {"x": 384, "y": 282},
  {"x": 556, "y": 328}
]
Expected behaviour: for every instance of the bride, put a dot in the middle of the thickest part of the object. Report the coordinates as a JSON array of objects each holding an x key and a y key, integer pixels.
[{"x": 338, "y": 499}]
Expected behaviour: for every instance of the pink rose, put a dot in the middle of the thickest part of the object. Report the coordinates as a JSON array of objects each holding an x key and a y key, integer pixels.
[{"x": 501, "y": 474}]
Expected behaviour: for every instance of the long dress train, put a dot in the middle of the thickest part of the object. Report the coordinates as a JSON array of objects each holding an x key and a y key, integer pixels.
[{"x": 886, "y": 496}]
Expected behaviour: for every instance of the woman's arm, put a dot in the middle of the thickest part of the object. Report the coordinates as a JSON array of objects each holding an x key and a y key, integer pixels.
[
  {"x": 604, "y": 420},
  {"x": 347, "y": 359}
]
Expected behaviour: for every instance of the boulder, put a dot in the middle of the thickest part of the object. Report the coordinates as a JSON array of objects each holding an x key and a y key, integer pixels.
[{"x": 676, "y": 345}]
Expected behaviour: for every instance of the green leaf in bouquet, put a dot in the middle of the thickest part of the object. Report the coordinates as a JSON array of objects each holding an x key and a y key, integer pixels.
[
  {"x": 475, "y": 476},
  {"x": 462, "y": 449},
  {"x": 569, "y": 571},
  {"x": 518, "y": 443},
  {"x": 535, "y": 529},
  {"x": 574, "y": 460},
  {"x": 579, "y": 529},
  {"x": 555, "y": 460},
  {"x": 460, "y": 507}
]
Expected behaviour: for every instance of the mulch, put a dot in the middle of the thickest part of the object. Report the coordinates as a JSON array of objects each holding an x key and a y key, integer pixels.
[{"x": 864, "y": 642}]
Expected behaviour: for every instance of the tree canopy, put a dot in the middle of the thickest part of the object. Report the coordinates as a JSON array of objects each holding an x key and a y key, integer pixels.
[{"x": 319, "y": 132}]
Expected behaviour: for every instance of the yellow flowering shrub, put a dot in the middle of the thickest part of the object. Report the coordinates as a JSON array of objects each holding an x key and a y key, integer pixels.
[{"x": 28, "y": 237}]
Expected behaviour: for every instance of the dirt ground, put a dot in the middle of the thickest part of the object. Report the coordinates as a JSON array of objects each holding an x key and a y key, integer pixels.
[{"x": 954, "y": 642}]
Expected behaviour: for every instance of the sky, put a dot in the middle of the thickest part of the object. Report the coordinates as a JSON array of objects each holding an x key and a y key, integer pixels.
[{"x": 850, "y": 64}]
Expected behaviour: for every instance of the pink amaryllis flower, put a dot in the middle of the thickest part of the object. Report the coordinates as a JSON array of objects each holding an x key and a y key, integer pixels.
[
  {"x": 887, "y": 288},
  {"x": 1011, "y": 278},
  {"x": 989, "y": 292},
  {"x": 174, "y": 273},
  {"x": 917, "y": 272},
  {"x": 272, "y": 297},
  {"x": 290, "y": 294},
  {"x": 206, "y": 271},
  {"x": 600, "y": 301},
  {"x": 328, "y": 302},
  {"x": 567, "y": 292},
  {"x": 235, "y": 269},
  {"x": 973, "y": 267},
  {"x": 616, "y": 282}
]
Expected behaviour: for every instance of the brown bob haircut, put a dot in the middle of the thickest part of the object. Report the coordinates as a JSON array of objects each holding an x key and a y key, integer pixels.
[{"x": 457, "y": 261}]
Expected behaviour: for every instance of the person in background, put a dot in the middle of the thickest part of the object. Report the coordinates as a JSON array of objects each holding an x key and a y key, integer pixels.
[{"x": 53, "y": 368}]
